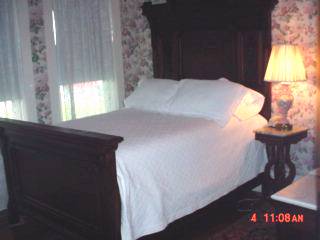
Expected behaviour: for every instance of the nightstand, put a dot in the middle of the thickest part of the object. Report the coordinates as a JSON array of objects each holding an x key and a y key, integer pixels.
[{"x": 279, "y": 172}]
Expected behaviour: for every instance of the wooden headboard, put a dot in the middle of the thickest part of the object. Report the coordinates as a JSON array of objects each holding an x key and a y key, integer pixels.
[{"x": 210, "y": 39}]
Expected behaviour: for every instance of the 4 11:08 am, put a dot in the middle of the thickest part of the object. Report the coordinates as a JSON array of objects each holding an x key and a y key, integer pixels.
[{"x": 278, "y": 218}]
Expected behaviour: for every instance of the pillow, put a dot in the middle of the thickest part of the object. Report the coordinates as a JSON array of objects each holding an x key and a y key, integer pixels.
[
  {"x": 214, "y": 100},
  {"x": 250, "y": 105},
  {"x": 152, "y": 94}
]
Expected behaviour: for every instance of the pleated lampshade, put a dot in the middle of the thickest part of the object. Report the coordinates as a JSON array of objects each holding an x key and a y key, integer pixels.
[{"x": 285, "y": 64}]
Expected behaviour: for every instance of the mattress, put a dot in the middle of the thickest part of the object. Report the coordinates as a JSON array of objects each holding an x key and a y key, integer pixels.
[{"x": 170, "y": 166}]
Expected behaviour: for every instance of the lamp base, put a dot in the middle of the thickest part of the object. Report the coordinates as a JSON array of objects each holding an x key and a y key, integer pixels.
[{"x": 279, "y": 120}]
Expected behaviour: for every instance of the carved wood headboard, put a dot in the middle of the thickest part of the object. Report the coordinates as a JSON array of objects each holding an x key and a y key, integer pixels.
[{"x": 206, "y": 39}]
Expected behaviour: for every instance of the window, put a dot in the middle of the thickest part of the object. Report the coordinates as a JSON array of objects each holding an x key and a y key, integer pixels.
[
  {"x": 84, "y": 57},
  {"x": 17, "y": 97},
  {"x": 81, "y": 92}
]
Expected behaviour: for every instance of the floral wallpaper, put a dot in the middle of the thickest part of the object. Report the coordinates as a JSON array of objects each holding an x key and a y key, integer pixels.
[
  {"x": 136, "y": 43},
  {"x": 296, "y": 22},
  {"x": 39, "y": 61},
  {"x": 293, "y": 21}
]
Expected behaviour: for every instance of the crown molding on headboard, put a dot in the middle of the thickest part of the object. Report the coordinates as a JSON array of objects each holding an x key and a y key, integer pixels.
[
  {"x": 233, "y": 14},
  {"x": 205, "y": 39}
]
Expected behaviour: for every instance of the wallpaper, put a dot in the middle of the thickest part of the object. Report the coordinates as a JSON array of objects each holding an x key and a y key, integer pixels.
[
  {"x": 39, "y": 61},
  {"x": 294, "y": 21},
  {"x": 136, "y": 43}
]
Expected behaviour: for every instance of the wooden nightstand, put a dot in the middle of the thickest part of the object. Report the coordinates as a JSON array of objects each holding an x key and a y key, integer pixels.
[{"x": 278, "y": 150}]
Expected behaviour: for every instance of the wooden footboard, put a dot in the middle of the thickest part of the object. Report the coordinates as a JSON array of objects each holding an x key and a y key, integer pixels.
[{"x": 64, "y": 178}]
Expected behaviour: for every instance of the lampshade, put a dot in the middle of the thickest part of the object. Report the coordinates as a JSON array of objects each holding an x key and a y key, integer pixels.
[{"x": 285, "y": 65}]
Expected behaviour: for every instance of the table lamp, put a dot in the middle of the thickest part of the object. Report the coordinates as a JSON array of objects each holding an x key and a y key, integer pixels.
[{"x": 285, "y": 66}]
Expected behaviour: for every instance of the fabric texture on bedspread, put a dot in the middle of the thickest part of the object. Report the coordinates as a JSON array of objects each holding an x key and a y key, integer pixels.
[{"x": 169, "y": 166}]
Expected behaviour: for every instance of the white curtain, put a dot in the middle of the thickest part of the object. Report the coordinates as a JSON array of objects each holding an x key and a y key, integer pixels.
[
  {"x": 11, "y": 105},
  {"x": 17, "y": 94},
  {"x": 84, "y": 68}
]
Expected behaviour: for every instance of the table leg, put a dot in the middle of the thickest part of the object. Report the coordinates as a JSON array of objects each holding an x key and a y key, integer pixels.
[{"x": 278, "y": 161}]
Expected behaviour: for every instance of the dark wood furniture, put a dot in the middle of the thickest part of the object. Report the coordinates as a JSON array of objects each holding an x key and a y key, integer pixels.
[
  {"x": 278, "y": 150},
  {"x": 63, "y": 178},
  {"x": 3, "y": 218},
  {"x": 299, "y": 202},
  {"x": 66, "y": 179}
]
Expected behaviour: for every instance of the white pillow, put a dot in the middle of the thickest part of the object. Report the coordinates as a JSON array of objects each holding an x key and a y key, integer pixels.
[
  {"x": 250, "y": 105},
  {"x": 152, "y": 94},
  {"x": 215, "y": 100}
]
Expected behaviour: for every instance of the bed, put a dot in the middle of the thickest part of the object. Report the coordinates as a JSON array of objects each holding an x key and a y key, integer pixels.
[
  {"x": 67, "y": 178},
  {"x": 170, "y": 166}
]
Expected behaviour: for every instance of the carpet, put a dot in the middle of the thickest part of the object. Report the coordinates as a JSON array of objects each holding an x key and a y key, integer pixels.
[
  {"x": 240, "y": 228},
  {"x": 247, "y": 229}
]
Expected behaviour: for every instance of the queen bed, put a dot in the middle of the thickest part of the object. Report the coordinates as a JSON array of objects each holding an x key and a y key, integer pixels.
[
  {"x": 170, "y": 166},
  {"x": 84, "y": 181}
]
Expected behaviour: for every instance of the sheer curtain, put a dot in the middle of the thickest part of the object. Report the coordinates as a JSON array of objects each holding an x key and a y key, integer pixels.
[
  {"x": 10, "y": 63},
  {"x": 83, "y": 66},
  {"x": 17, "y": 97},
  {"x": 17, "y": 94}
]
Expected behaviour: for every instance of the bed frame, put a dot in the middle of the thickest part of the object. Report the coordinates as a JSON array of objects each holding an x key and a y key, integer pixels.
[{"x": 66, "y": 179}]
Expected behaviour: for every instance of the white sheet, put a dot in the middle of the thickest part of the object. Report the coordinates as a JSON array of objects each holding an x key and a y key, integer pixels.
[{"x": 169, "y": 166}]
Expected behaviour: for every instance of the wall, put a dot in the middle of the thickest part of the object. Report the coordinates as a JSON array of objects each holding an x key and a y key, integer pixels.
[
  {"x": 39, "y": 61},
  {"x": 136, "y": 43},
  {"x": 318, "y": 104},
  {"x": 294, "y": 21}
]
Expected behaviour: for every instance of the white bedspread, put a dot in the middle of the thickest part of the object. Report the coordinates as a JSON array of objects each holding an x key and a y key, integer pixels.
[{"x": 169, "y": 166}]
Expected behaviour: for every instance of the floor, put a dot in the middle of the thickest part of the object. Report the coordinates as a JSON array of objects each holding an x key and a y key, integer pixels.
[{"x": 233, "y": 225}]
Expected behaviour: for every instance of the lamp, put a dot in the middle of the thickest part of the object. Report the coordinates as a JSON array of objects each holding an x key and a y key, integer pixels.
[{"x": 285, "y": 65}]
